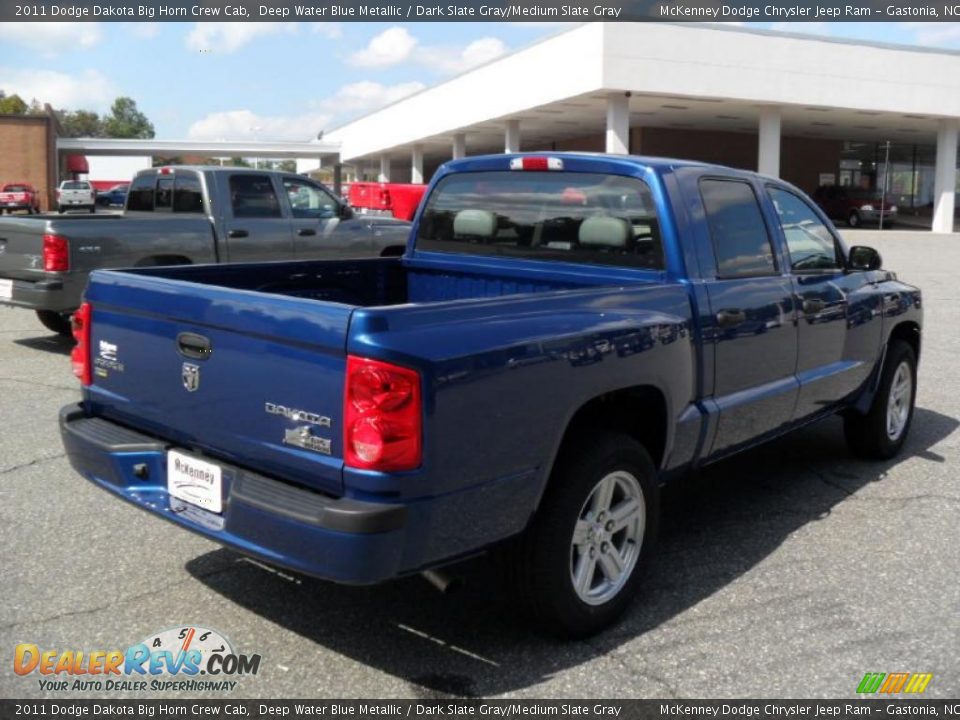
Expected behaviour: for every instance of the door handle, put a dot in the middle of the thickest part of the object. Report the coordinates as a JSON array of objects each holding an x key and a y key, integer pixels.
[
  {"x": 195, "y": 346},
  {"x": 306, "y": 232},
  {"x": 731, "y": 318},
  {"x": 237, "y": 233},
  {"x": 812, "y": 307}
]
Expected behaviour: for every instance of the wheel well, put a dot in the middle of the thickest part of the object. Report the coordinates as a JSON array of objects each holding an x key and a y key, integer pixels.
[
  {"x": 393, "y": 251},
  {"x": 158, "y": 260},
  {"x": 909, "y": 332},
  {"x": 640, "y": 412}
]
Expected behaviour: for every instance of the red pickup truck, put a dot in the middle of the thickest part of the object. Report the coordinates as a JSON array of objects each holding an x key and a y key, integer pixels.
[
  {"x": 19, "y": 196},
  {"x": 399, "y": 200}
]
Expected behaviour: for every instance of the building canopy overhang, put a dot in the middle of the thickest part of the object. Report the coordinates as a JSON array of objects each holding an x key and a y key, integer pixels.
[{"x": 218, "y": 148}]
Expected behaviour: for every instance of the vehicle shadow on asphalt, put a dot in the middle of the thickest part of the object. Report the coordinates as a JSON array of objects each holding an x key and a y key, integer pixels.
[
  {"x": 716, "y": 527},
  {"x": 53, "y": 343}
]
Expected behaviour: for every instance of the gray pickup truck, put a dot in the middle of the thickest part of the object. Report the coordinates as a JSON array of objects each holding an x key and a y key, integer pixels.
[{"x": 180, "y": 216}]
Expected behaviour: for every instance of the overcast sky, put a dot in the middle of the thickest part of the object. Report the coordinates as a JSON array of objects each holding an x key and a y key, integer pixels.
[{"x": 273, "y": 81}]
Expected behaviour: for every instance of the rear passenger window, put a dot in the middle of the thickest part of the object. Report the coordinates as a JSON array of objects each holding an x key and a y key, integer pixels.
[
  {"x": 253, "y": 196},
  {"x": 740, "y": 241},
  {"x": 140, "y": 194},
  {"x": 187, "y": 195}
]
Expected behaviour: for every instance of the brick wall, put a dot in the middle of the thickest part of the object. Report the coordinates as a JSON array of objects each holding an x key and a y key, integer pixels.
[{"x": 26, "y": 154}]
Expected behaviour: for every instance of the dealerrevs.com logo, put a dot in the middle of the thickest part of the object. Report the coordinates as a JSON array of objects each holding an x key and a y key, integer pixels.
[{"x": 187, "y": 658}]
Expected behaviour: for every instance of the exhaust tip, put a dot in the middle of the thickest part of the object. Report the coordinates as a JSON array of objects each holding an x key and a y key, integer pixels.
[{"x": 442, "y": 581}]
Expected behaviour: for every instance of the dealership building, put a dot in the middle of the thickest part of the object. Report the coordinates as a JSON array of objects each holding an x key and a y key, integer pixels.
[{"x": 812, "y": 110}]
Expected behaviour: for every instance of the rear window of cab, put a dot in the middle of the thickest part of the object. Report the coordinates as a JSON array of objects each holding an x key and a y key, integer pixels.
[{"x": 569, "y": 217}]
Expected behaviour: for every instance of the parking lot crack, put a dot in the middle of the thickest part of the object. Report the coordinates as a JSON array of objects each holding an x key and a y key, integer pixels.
[
  {"x": 35, "y": 461},
  {"x": 153, "y": 592}
]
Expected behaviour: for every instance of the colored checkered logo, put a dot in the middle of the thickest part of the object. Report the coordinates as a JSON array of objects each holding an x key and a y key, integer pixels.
[{"x": 893, "y": 683}]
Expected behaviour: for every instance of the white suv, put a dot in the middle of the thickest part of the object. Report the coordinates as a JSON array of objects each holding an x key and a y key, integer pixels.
[{"x": 76, "y": 194}]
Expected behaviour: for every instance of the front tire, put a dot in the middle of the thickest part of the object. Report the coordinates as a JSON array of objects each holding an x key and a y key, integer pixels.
[
  {"x": 55, "y": 321},
  {"x": 883, "y": 430},
  {"x": 578, "y": 565}
]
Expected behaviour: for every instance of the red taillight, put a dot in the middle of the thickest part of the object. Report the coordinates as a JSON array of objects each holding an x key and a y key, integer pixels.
[
  {"x": 80, "y": 355},
  {"x": 536, "y": 162},
  {"x": 56, "y": 253},
  {"x": 382, "y": 412}
]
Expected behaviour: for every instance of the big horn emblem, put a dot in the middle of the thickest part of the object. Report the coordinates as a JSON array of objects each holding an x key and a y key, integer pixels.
[{"x": 190, "y": 376}]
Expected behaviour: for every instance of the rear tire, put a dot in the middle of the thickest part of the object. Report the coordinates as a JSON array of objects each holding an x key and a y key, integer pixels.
[
  {"x": 579, "y": 563},
  {"x": 853, "y": 219},
  {"x": 55, "y": 321},
  {"x": 881, "y": 433}
]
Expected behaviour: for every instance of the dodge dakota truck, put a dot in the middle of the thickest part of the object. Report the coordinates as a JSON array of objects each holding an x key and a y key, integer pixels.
[
  {"x": 180, "y": 216},
  {"x": 564, "y": 334}
]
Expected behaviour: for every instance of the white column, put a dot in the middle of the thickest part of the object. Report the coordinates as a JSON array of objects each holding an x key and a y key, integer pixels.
[
  {"x": 511, "y": 138},
  {"x": 768, "y": 151},
  {"x": 459, "y": 146},
  {"x": 416, "y": 164},
  {"x": 618, "y": 123},
  {"x": 945, "y": 176},
  {"x": 384, "y": 169}
]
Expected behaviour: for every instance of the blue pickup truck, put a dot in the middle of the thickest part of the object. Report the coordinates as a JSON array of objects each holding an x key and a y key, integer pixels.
[{"x": 564, "y": 334}]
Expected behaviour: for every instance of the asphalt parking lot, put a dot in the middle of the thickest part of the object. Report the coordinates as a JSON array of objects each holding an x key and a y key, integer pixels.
[{"x": 788, "y": 572}]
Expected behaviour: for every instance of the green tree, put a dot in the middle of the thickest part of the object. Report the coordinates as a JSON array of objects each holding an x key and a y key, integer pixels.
[
  {"x": 13, "y": 105},
  {"x": 126, "y": 121},
  {"x": 81, "y": 123}
]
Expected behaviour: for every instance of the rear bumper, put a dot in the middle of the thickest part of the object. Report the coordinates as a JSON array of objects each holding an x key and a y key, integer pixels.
[
  {"x": 339, "y": 539},
  {"x": 60, "y": 294}
]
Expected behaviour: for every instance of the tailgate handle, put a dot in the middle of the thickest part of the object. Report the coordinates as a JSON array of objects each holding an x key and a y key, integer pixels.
[
  {"x": 237, "y": 233},
  {"x": 194, "y": 346}
]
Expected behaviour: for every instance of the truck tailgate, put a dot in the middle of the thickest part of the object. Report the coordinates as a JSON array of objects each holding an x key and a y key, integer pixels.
[
  {"x": 267, "y": 396},
  {"x": 21, "y": 248}
]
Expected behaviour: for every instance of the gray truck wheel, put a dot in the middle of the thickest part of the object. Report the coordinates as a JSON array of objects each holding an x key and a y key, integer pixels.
[
  {"x": 882, "y": 431},
  {"x": 55, "y": 321},
  {"x": 578, "y": 565}
]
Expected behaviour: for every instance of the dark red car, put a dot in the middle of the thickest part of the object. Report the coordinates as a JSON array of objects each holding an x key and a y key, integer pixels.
[
  {"x": 19, "y": 196},
  {"x": 856, "y": 206}
]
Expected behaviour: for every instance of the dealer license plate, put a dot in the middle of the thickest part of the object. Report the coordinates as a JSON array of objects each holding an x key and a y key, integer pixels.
[
  {"x": 195, "y": 481},
  {"x": 6, "y": 289}
]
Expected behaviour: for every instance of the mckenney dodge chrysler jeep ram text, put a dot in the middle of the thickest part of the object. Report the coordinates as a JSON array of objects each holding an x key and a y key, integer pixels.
[{"x": 564, "y": 334}]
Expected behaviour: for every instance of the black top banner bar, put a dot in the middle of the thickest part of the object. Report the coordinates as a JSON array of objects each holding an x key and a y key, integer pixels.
[{"x": 479, "y": 10}]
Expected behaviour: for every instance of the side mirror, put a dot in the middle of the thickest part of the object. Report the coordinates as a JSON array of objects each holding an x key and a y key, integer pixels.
[
  {"x": 346, "y": 212},
  {"x": 862, "y": 257}
]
